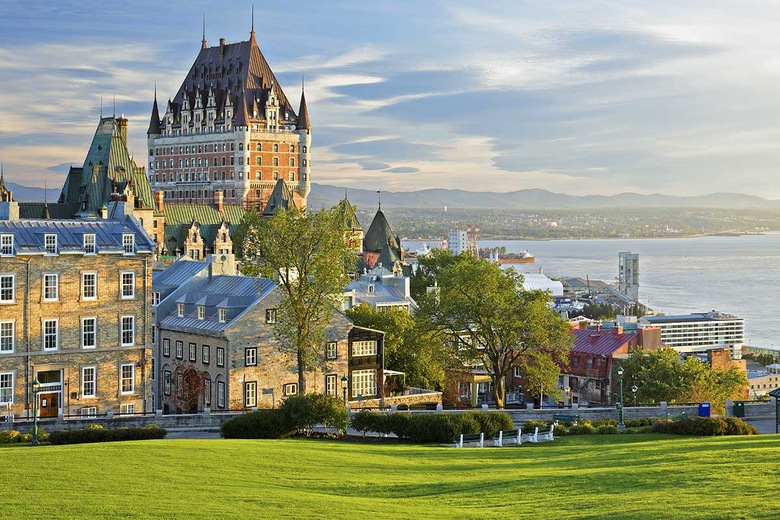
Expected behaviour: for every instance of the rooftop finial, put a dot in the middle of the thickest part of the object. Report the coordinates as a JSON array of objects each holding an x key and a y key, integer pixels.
[{"x": 203, "y": 42}]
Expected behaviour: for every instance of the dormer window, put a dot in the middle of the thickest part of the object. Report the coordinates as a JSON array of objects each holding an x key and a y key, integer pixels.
[
  {"x": 201, "y": 312},
  {"x": 128, "y": 243},
  {"x": 89, "y": 244},
  {"x": 50, "y": 242},
  {"x": 7, "y": 245},
  {"x": 180, "y": 310}
]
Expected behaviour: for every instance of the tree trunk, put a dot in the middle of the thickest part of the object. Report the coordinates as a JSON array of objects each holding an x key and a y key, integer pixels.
[{"x": 499, "y": 391}]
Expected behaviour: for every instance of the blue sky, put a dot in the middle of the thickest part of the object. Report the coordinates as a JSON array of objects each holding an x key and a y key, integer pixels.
[{"x": 573, "y": 97}]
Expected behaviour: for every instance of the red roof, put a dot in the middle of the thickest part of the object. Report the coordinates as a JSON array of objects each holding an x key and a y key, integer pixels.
[{"x": 600, "y": 343}]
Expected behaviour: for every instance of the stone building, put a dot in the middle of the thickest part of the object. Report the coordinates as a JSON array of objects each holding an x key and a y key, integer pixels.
[
  {"x": 229, "y": 130},
  {"x": 75, "y": 312}
]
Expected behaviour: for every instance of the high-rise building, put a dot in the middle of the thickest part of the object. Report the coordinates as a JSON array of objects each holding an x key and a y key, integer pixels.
[
  {"x": 230, "y": 130},
  {"x": 628, "y": 274}
]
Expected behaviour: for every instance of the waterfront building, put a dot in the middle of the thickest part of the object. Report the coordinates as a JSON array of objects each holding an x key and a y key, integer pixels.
[
  {"x": 628, "y": 274},
  {"x": 230, "y": 130},
  {"x": 74, "y": 311},
  {"x": 700, "y": 332}
]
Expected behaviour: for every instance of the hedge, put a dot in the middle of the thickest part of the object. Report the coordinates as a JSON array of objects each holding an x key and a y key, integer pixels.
[{"x": 92, "y": 434}]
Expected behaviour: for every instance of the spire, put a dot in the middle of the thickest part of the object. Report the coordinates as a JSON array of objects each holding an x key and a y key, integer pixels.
[
  {"x": 303, "y": 112},
  {"x": 154, "y": 121},
  {"x": 203, "y": 42}
]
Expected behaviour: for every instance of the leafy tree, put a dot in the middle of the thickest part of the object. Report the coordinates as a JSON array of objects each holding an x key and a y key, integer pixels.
[
  {"x": 489, "y": 317},
  {"x": 410, "y": 346},
  {"x": 309, "y": 257}
]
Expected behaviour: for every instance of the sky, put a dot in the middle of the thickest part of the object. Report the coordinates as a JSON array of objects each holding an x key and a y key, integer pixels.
[{"x": 677, "y": 97}]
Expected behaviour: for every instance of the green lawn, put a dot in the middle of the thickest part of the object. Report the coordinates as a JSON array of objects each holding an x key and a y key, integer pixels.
[{"x": 626, "y": 476}]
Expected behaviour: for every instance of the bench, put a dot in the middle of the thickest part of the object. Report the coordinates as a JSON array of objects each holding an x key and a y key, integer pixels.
[
  {"x": 509, "y": 436},
  {"x": 569, "y": 419},
  {"x": 469, "y": 438},
  {"x": 546, "y": 435}
]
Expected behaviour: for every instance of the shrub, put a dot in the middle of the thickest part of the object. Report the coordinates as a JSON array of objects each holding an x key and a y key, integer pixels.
[
  {"x": 9, "y": 436},
  {"x": 88, "y": 435},
  {"x": 606, "y": 429},
  {"x": 584, "y": 428},
  {"x": 262, "y": 424},
  {"x": 704, "y": 426}
]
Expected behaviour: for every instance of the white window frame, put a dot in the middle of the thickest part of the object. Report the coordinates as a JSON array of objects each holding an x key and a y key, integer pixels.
[
  {"x": 50, "y": 243},
  {"x": 363, "y": 383},
  {"x": 90, "y": 244},
  {"x": 123, "y": 378},
  {"x": 51, "y": 292},
  {"x": 84, "y": 332},
  {"x": 6, "y": 388},
  {"x": 250, "y": 357},
  {"x": 84, "y": 286},
  {"x": 130, "y": 295},
  {"x": 45, "y": 335},
  {"x": 128, "y": 244},
  {"x": 86, "y": 382},
  {"x": 364, "y": 347},
  {"x": 7, "y": 245},
  {"x": 123, "y": 330},
  {"x": 250, "y": 394},
  {"x": 3, "y": 280},
  {"x": 221, "y": 394},
  {"x": 5, "y": 336}
]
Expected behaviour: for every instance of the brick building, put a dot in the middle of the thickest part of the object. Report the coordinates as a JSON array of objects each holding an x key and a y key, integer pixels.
[{"x": 75, "y": 312}]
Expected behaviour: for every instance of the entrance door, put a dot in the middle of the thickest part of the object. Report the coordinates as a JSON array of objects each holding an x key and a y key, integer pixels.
[{"x": 49, "y": 404}]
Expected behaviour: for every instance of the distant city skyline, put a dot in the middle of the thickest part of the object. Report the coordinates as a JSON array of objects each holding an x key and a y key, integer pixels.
[{"x": 579, "y": 98}]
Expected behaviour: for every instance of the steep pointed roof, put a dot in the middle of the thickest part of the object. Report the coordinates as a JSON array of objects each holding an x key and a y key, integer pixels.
[
  {"x": 281, "y": 198},
  {"x": 303, "y": 114},
  {"x": 154, "y": 120},
  {"x": 379, "y": 234}
]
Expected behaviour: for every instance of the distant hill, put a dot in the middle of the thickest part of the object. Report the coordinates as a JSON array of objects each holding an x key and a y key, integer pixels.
[
  {"x": 27, "y": 194},
  {"x": 325, "y": 195}
]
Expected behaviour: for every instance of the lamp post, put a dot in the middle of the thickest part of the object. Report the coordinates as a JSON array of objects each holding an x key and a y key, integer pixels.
[
  {"x": 36, "y": 387},
  {"x": 344, "y": 384},
  {"x": 620, "y": 398},
  {"x": 634, "y": 389}
]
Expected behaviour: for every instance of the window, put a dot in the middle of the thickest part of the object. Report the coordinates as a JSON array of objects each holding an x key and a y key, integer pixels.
[
  {"x": 250, "y": 394},
  {"x": 331, "y": 350},
  {"x": 127, "y": 379},
  {"x": 207, "y": 392},
  {"x": 88, "y": 332},
  {"x": 7, "y": 288},
  {"x": 128, "y": 285},
  {"x": 51, "y": 286},
  {"x": 221, "y": 394},
  {"x": 330, "y": 384},
  {"x": 193, "y": 352},
  {"x": 220, "y": 357},
  {"x": 50, "y": 243},
  {"x": 206, "y": 355},
  {"x": 270, "y": 315},
  {"x": 290, "y": 389},
  {"x": 128, "y": 330},
  {"x": 167, "y": 347},
  {"x": 127, "y": 409},
  {"x": 89, "y": 244},
  {"x": 222, "y": 315},
  {"x": 6, "y": 387},
  {"x": 364, "y": 348},
  {"x": 89, "y": 286},
  {"x": 128, "y": 243},
  {"x": 88, "y": 381},
  {"x": 180, "y": 310},
  {"x": 6, "y": 245},
  {"x": 179, "y": 350},
  {"x": 7, "y": 336},
  {"x": 167, "y": 382},
  {"x": 250, "y": 357},
  {"x": 50, "y": 334},
  {"x": 201, "y": 312},
  {"x": 363, "y": 383}
]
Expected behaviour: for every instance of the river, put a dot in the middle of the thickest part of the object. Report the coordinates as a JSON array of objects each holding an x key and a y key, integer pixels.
[{"x": 733, "y": 274}]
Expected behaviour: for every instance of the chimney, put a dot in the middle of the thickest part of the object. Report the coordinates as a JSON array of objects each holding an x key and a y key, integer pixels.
[
  {"x": 219, "y": 200},
  {"x": 159, "y": 195}
]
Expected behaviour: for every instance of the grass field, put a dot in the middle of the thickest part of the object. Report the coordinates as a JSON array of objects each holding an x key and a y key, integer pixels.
[{"x": 626, "y": 476}]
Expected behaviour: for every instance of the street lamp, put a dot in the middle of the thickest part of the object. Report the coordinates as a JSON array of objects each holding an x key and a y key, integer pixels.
[
  {"x": 344, "y": 384},
  {"x": 634, "y": 389},
  {"x": 36, "y": 387},
  {"x": 620, "y": 398}
]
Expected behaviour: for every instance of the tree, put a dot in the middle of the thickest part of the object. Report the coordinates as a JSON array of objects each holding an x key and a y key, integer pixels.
[
  {"x": 410, "y": 346},
  {"x": 489, "y": 317},
  {"x": 309, "y": 257}
]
